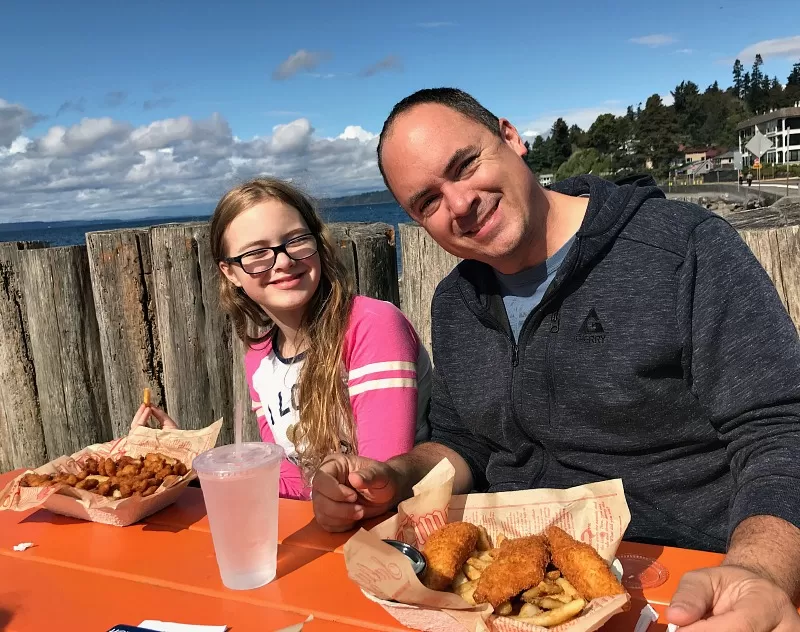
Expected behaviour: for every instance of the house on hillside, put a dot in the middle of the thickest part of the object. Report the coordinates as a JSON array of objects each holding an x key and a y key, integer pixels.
[
  {"x": 782, "y": 127},
  {"x": 700, "y": 154},
  {"x": 724, "y": 161},
  {"x": 546, "y": 179}
]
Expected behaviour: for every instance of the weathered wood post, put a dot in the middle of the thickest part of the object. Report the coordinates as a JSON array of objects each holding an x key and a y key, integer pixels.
[
  {"x": 778, "y": 250},
  {"x": 21, "y": 435},
  {"x": 425, "y": 264},
  {"x": 368, "y": 250},
  {"x": 194, "y": 333},
  {"x": 122, "y": 282},
  {"x": 65, "y": 345}
]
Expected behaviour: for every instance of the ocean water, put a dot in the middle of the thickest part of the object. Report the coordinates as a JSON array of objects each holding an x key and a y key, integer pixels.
[{"x": 71, "y": 233}]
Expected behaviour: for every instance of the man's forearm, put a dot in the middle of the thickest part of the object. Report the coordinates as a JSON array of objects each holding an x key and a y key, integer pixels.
[
  {"x": 769, "y": 547},
  {"x": 414, "y": 466}
]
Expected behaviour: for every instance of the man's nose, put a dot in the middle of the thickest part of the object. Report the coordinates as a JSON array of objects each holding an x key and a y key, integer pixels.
[{"x": 461, "y": 200}]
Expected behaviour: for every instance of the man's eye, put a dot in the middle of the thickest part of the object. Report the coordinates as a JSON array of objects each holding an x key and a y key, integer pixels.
[{"x": 466, "y": 164}]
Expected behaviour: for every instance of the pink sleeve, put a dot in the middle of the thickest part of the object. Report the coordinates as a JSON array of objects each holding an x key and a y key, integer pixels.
[
  {"x": 291, "y": 483},
  {"x": 381, "y": 349}
]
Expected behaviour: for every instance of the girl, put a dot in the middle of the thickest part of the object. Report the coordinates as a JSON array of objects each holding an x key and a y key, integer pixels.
[{"x": 328, "y": 371}]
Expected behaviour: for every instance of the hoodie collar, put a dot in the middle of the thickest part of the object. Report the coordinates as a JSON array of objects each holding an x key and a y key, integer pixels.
[{"x": 610, "y": 208}]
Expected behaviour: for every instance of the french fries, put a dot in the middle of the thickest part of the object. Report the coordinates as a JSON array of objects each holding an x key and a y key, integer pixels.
[
  {"x": 552, "y": 602},
  {"x": 146, "y": 397}
]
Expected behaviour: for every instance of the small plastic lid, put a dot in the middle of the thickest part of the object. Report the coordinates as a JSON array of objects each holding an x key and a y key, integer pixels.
[
  {"x": 642, "y": 572},
  {"x": 226, "y": 460}
]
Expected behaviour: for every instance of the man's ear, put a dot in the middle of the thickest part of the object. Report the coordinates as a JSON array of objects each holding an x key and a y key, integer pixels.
[
  {"x": 227, "y": 270},
  {"x": 511, "y": 137}
]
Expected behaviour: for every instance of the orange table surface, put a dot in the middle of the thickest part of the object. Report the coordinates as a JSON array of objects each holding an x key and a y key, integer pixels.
[{"x": 170, "y": 557}]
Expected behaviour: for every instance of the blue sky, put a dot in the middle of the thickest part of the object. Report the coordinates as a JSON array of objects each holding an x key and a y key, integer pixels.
[{"x": 117, "y": 107}]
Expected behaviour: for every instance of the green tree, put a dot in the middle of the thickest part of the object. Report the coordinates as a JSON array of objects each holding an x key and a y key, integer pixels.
[
  {"x": 577, "y": 137},
  {"x": 758, "y": 95},
  {"x": 689, "y": 112},
  {"x": 746, "y": 87},
  {"x": 603, "y": 135},
  {"x": 738, "y": 79},
  {"x": 794, "y": 76},
  {"x": 657, "y": 133},
  {"x": 584, "y": 161},
  {"x": 791, "y": 94},
  {"x": 560, "y": 145},
  {"x": 537, "y": 158},
  {"x": 775, "y": 95}
]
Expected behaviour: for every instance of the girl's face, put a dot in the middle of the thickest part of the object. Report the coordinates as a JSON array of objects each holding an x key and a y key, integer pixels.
[{"x": 284, "y": 289}]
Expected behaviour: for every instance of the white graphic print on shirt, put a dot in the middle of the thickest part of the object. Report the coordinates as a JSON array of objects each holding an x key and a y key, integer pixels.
[{"x": 276, "y": 384}]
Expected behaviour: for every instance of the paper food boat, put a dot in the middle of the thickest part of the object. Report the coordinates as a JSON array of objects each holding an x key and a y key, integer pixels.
[
  {"x": 183, "y": 445},
  {"x": 596, "y": 514}
]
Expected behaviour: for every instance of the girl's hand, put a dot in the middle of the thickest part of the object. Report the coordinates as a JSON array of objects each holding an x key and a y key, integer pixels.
[{"x": 161, "y": 419}]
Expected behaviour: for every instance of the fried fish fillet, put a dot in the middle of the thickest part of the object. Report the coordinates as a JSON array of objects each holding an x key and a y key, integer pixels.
[
  {"x": 446, "y": 551},
  {"x": 582, "y": 566},
  {"x": 520, "y": 564}
]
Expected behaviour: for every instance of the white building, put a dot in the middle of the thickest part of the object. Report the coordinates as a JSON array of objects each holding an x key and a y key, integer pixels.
[
  {"x": 782, "y": 127},
  {"x": 546, "y": 179}
]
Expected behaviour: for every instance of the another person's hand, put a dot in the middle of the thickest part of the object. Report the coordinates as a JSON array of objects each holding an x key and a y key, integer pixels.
[
  {"x": 349, "y": 488},
  {"x": 145, "y": 413},
  {"x": 731, "y": 599}
]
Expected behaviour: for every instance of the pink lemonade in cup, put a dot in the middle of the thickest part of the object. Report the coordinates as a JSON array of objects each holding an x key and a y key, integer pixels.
[{"x": 240, "y": 489}]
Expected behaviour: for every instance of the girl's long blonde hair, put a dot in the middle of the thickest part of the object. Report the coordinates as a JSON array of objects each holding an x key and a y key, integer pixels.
[{"x": 326, "y": 422}]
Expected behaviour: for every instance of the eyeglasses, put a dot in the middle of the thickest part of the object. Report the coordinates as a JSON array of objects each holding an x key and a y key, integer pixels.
[{"x": 263, "y": 259}]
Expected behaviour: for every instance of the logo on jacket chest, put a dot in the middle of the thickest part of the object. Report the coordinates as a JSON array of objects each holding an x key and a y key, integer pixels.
[{"x": 591, "y": 330}]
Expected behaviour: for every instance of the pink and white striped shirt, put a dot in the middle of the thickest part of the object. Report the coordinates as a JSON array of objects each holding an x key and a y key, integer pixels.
[{"x": 388, "y": 377}]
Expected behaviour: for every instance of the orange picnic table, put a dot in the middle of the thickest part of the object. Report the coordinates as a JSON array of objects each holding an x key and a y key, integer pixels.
[{"x": 89, "y": 577}]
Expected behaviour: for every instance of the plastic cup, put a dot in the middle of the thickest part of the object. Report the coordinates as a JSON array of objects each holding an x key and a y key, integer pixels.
[{"x": 240, "y": 489}]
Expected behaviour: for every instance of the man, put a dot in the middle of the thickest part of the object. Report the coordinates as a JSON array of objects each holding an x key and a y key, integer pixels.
[{"x": 597, "y": 331}]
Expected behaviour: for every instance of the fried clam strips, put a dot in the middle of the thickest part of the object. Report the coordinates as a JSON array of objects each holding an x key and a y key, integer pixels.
[
  {"x": 519, "y": 565},
  {"x": 446, "y": 551},
  {"x": 582, "y": 566}
]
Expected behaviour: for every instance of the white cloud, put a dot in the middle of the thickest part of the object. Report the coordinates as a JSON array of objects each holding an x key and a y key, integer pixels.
[
  {"x": 85, "y": 136},
  {"x": 582, "y": 117},
  {"x": 657, "y": 39},
  {"x": 667, "y": 99},
  {"x": 105, "y": 167},
  {"x": 297, "y": 62},
  {"x": 684, "y": 51},
  {"x": 291, "y": 137},
  {"x": 356, "y": 132},
  {"x": 434, "y": 25},
  {"x": 784, "y": 47}
]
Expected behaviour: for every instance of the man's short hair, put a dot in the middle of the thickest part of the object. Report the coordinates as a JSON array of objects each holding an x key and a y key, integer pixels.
[{"x": 452, "y": 98}]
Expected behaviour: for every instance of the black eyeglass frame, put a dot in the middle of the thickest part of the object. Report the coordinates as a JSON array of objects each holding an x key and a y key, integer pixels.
[{"x": 276, "y": 250}]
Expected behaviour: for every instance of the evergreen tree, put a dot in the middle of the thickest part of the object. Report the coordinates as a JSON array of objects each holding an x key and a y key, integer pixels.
[
  {"x": 577, "y": 137},
  {"x": 746, "y": 87},
  {"x": 689, "y": 112},
  {"x": 537, "y": 157},
  {"x": 738, "y": 79},
  {"x": 603, "y": 135},
  {"x": 757, "y": 97},
  {"x": 560, "y": 146},
  {"x": 657, "y": 132}
]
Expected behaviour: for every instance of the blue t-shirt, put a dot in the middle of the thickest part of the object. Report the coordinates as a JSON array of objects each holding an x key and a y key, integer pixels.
[{"x": 523, "y": 291}]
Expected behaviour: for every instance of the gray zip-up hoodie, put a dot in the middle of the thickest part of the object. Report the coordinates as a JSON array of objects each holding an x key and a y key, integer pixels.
[{"x": 661, "y": 354}]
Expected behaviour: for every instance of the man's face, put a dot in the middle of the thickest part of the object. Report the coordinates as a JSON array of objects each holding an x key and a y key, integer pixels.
[{"x": 467, "y": 187}]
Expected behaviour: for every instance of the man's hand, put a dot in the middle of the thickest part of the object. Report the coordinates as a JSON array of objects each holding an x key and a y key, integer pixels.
[
  {"x": 731, "y": 599},
  {"x": 348, "y": 488}
]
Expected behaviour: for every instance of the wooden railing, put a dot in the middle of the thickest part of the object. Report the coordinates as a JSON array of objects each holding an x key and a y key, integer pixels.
[{"x": 84, "y": 329}]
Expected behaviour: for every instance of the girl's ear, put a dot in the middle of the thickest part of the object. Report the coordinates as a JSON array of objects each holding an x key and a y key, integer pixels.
[{"x": 227, "y": 270}]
